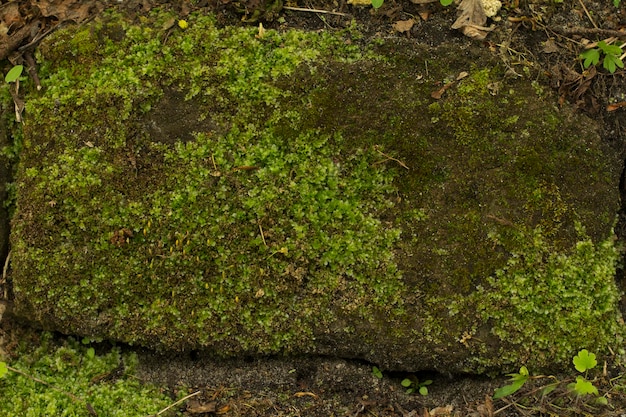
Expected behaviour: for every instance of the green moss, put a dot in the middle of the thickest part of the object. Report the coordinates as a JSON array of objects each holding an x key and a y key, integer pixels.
[
  {"x": 216, "y": 189},
  {"x": 544, "y": 306},
  {"x": 264, "y": 227},
  {"x": 103, "y": 381}
]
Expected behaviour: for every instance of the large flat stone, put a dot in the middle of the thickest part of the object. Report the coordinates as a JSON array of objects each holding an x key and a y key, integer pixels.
[{"x": 298, "y": 193}]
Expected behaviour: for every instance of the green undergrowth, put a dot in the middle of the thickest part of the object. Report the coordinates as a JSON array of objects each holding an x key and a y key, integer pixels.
[{"x": 71, "y": 379}]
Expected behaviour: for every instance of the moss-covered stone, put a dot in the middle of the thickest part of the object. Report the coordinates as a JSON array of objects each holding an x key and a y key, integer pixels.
[{"x": 241, "y": 193}]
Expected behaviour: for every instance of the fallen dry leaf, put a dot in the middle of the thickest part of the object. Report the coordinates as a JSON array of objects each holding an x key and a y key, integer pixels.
[
  {"x": 304, "y": 394},
  {"x": 472, "y": 19},
  {"x": 615, "y": 106},
  {"x": 437, "y": 94},
  {"x": 403, "y": 25},
  {"x": 77, "y": 11},
  {"x": 424, "y": 14},
  {"x": 486, "y": 409},
  {"x": 441, "y": 411},
  {"x": 550, "y": 47},
  {"x": 196, "y": 407}
]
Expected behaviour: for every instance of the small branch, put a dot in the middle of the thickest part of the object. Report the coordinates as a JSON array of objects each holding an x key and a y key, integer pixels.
[
  {"x": 175, "y": 404},
  {"x": 389, "y": 158},
  {"x": 262, "y": 236},
  {"x": 589, "y": 31},
  {"x": 587, "y": 13},
  {"x": 301, "y": 9},
  {"x": 32, "y": 69},
  {"x": 4, "y": 275}
]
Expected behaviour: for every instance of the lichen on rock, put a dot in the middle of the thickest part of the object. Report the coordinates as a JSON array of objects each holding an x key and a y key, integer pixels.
[{"x": 301, "y": 193}]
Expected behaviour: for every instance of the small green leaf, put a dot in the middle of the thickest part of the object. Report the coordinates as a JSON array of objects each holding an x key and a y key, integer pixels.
[
  {"x": 410, "y": 391},
  {"x": 591, "y": 57},
  {"x": 547, "y": 390},
  {"x": 584, "y": 361},
  {"x": 377, "y": 372},
  {"x": 3, "y": 369},
  {"x": 446, "y": 2},
  {"x": 602, "y": 401},
  {"x": 91, "y": 353},
  {"x": 584, "y": 387},
  {"x": 377, "y": 3},
  {"x": 508, "y": 389},
  {"x": 14, "y": 73},
  {"x": 611, "y": 63},
  {"x": 406, "y": 382},
  {"x": 609, "y": 49},
  {"x": 616, "y": 3},
  {"x": 423, "y": 391}
]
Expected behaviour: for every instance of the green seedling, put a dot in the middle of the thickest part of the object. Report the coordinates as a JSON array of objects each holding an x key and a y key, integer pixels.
[
  {"x": 14, "y": 74},
  {"x": 583, "y": 362},
  {"x": 377, "y": 372},
  {"x": 612, "y": 57},
  {"x": 517, "y": 381},
  {"x": 414, "y": 385}
]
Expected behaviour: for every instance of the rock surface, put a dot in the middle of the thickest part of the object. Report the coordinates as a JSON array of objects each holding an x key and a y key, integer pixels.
[{"x": 248, "y": 193}]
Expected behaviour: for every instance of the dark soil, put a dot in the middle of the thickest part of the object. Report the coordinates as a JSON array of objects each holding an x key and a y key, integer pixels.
[{"x": 536, "y": 39}]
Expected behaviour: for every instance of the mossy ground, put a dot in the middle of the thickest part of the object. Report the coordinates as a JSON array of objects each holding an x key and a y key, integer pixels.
[
  {"x": 74, "y": 379},
  {"x": 275, "y": 227}
]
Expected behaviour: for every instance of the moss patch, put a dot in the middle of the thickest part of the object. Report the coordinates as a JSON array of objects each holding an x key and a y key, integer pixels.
[
  {"x": 245, "y": 194},
  {"x": 80, "y": 382}
]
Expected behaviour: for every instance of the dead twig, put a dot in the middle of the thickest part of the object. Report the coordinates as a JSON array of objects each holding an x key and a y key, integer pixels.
[
  {"x": 389, "y": 158},
  {"x": 4, "y": 275},
  {"x": 302, "y": 9},
  {"x": 262, "y": 235},
  {"x": 588, "y": 31},
  {"x": 175, "y": 404},
  {"x": 32, "y": 68},
  {"x": 587, "y": 13}
]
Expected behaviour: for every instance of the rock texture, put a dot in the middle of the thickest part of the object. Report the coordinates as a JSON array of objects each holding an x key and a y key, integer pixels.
[{"x": 246, "y": 193}]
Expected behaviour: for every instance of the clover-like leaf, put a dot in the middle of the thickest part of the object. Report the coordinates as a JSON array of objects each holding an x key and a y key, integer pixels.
[
  {"x": 584, "y": 387},
  {"x": 377, "y": 3},
  {"x": 611, "y": 62},
  {"x": 584, "y": 361},
  {"x": 591, "y": 57},
  {"x": 377, "y": 372},
  {"x": 609, "y": 49}
]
